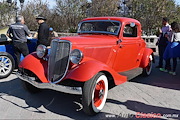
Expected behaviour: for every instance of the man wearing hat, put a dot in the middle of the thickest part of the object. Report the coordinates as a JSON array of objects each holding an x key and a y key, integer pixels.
[{"x": 43, "y": 31}]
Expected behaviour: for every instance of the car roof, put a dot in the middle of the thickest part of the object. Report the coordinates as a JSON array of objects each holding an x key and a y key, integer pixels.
[{"x": 121, "y": 19}]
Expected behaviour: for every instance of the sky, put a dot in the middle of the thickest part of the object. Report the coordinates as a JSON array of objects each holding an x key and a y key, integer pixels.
[{"x": 178, "y": 1}]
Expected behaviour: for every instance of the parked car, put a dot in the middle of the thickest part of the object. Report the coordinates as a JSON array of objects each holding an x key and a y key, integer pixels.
[
  {"x": 7, "y": 58},
  {"x": 90, "y": 62}
]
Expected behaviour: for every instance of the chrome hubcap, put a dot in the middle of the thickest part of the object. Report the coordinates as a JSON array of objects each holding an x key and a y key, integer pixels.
[{"x": 5, "y": 65}]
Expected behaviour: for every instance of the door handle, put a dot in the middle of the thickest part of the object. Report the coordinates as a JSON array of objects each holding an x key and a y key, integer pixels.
[
  {"x": 119, "y": 41},
  {"x": 121, "y": 46}
]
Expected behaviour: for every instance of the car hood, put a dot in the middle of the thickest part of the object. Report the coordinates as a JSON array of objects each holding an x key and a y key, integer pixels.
[{"x": 91, "y": 39}]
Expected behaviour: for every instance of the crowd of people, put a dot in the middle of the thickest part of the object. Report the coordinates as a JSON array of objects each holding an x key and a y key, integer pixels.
[
  {"x": 18, "y": 32},
  {"x": 169, "y": 46},
  {"x": 168, "y": 42}
]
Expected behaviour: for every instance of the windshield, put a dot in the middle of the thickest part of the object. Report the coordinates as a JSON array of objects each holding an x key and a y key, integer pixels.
[{"x": 100, "y": 26}]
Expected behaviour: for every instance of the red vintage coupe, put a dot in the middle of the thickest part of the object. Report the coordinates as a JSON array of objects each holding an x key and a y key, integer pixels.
[{"x": 89, "y": 63}]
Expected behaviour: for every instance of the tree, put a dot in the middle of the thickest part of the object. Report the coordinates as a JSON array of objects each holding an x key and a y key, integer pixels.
[
  {"x": 69, "y": 13},
  {"x": 104, "y": 7},
  {"x": 151, "y": 12},
  {"x": 32, "y": 10},
  {"x": 6, "y": 14},
  {"x": 65, "y": 16}
]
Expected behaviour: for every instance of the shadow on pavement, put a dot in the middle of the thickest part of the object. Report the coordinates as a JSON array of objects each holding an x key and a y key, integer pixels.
[
  {"x": 70, "y": 105},
  {"x": 59, "y": 103},
  {"x": 161, "y": 79},
  {"x": 140, "y": 107}
]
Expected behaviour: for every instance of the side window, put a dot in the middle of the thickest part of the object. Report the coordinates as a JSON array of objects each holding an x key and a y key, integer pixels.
[{"x": 130, "y": 31}]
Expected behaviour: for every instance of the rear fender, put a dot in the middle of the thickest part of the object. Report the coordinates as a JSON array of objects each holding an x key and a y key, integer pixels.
[
  {"x": 37, "y": 66},
  {"x": 145, "y": 58},
  {"x": 86, "y": 70}
]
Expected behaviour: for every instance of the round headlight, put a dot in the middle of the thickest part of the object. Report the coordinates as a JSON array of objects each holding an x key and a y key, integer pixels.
[
  {"x": 41, "y": 51},
  {"x": 76, "y": 56}
]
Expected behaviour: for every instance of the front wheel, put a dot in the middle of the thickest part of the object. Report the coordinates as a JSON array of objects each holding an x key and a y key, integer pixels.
[
  {"x": 7, "y": 64},
  {"x": 148, "y": 69},
  {"x": 95, "y": 94}
]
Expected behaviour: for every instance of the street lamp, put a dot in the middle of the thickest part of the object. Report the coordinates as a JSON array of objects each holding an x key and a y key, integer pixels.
[
  {"x": 124, "y": 8},
  {"x": 21, "y": 3},
  {"x": 16, "y": 7},
  {"x": 9, "y": 1}
]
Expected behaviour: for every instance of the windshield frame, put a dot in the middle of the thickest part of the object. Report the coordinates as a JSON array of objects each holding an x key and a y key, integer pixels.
[{"x": 99, "y": 32}]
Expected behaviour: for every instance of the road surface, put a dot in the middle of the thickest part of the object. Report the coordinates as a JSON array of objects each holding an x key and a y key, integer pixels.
[{"x": 158, "y": 94}]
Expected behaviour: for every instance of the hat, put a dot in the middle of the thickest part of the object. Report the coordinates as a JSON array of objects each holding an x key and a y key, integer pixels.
[
  {"x": 165, "y": 19},
  {"x": 40, "y": 17},
  {"x": 50, "y": 29}
]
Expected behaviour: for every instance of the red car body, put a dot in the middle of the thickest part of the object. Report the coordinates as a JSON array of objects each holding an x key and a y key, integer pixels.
[{"x": 108, "y": 52}]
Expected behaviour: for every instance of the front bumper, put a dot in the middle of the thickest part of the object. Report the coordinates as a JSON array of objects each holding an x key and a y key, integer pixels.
[{"x": 60, "y": 88}]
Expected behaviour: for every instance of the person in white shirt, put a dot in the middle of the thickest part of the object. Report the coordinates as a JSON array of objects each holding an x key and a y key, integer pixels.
[
  {"x": 173, "y": 48},
  {"x": 162, "y": 43}
]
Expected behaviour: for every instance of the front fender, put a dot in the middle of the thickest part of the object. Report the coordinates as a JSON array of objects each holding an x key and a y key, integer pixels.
[
  {"x": 37, "y": 66},
  {"x": 145, "y": 58},
  {"x": 86, "y": 70}
]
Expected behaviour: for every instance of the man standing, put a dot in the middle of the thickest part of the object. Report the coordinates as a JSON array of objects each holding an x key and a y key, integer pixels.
[
  {"x": 162, "y": 43},
  {"x": 43, "y": 31},
  {"x": 18, "y": 33},
  {"x": 52, "y": 34}
]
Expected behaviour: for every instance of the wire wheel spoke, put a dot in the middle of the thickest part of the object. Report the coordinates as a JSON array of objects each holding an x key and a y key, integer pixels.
[
  {"x": 99, "y": 93},
  {"x": 2, "y": 58},
  {"x": 6, "y": 60},
  {"x": 8, "y": 64},
  {"x": 98, "y": 86},
  {"x": 2, "y": 71}
]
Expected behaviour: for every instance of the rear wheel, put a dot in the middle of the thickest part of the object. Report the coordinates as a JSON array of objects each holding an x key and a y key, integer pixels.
[
  {"x": 148, "y": 69},
  {"x": 7, "y": 64},
  {"x": 95, "y": 94}
]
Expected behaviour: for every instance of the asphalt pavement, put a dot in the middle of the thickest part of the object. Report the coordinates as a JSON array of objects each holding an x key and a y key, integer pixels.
[{"x": 140, "y": 98}]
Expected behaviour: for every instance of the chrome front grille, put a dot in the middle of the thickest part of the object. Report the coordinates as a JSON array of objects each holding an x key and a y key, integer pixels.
[{"x": 58, "y": 60}]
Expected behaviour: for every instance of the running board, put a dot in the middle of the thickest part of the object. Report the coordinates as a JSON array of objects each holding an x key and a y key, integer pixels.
[{"x": 132, "y": 73}]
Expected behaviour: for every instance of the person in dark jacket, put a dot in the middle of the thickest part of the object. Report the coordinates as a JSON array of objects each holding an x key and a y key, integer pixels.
[
  {"x": 43, "y": 31},
  {"x": 162, "y": 43},
  {"x": 18, "y": 32}
]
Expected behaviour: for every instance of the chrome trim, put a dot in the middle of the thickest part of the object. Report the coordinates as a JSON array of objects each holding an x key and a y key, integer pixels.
[
  {"x": 44, "y": 52},
  {"x": 52, "y": 86},
  {"x": 82, "y": 56},
  {"x": 58, "y": 40}
]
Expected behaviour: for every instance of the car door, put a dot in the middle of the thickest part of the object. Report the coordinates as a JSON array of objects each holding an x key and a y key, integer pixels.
[{"x": 127, "y": 47}]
